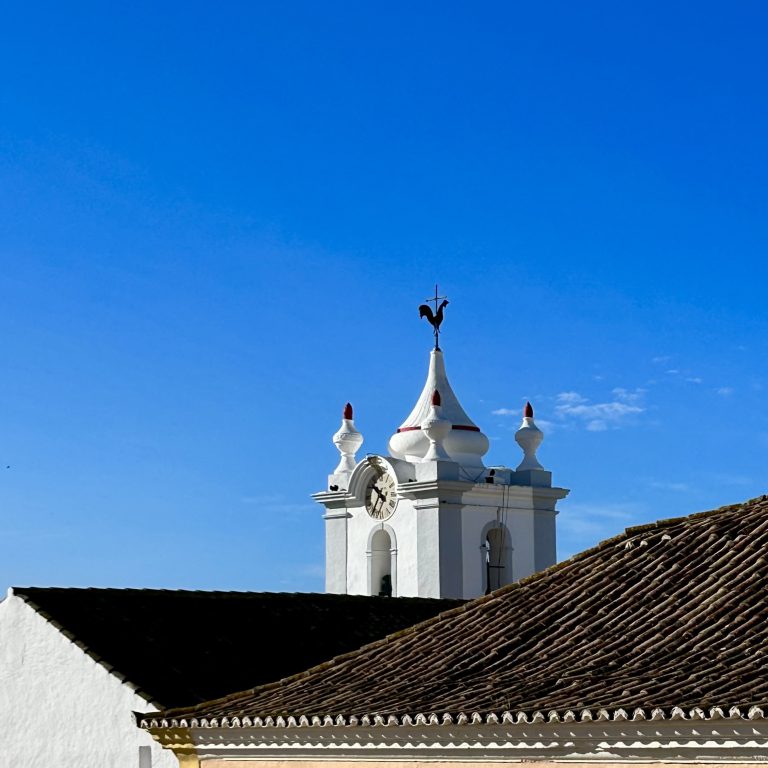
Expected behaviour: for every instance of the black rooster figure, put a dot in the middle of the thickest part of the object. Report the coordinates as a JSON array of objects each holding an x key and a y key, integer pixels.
[{"x": 435, "y": 319}]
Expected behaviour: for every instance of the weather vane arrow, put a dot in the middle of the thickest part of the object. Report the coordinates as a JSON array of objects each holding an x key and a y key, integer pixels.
[{"x": 435, "y": 318}]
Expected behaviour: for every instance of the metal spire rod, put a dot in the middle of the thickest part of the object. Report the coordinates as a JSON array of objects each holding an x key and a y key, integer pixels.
[{"x": 435, "y": 318}]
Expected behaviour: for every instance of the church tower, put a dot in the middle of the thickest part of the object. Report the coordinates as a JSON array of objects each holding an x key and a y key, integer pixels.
[{"x": 429, "y": 519}]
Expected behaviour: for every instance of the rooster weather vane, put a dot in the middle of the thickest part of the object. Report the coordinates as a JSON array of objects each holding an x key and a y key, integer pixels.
[{"x": 435, "y": 318}]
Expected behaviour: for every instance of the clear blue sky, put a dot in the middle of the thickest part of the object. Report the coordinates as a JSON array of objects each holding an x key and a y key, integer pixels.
[{"x": 217, "y": 221}]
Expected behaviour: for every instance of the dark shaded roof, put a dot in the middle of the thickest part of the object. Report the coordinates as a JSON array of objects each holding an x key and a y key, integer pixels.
[
  {"x": 183, "y": 647},
  {"x": 671, "y": 614}
]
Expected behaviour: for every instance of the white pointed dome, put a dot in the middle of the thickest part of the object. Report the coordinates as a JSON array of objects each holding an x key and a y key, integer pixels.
[{"x": 466, "y": 444}]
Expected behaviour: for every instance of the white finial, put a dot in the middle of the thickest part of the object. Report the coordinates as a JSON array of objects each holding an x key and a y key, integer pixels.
[
  {"x": 529, "y": 438},
  {"x": 348, "y": 440},
  {"x": 436, "y": 429}
]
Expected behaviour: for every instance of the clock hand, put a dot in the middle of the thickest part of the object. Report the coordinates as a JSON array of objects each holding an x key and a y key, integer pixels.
[{"x": 381, "y": 502}]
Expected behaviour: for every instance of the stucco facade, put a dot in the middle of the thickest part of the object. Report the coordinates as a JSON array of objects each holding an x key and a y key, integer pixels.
[{"x": 60, "y": 708}]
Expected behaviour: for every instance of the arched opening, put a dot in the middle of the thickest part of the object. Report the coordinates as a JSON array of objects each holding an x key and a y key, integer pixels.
[
  {"x": 380, "y": 564},
  {"x": 495, "y": 547}
]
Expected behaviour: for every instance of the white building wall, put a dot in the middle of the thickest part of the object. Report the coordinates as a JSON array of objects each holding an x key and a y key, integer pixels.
[
  {"x": 360, "y": 526},
  {"x": 451, "y": 554},
  {"x": 59, "y": 707},
  {"x": 428, "y": 553},
  {"x": 473, "y": 568},
  {"x": 546, "y": 538},
  {"x": 404, "y": 522},
  {"x": 521, "y": 528},
  {"x": 336, "y": 552}
]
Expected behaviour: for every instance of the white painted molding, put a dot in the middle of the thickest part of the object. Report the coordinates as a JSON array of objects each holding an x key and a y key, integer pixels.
[{"x": 618, "y": 736}]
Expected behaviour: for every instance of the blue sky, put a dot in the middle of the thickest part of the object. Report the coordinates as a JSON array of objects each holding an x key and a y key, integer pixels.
[{"x": 217, "y": 221}]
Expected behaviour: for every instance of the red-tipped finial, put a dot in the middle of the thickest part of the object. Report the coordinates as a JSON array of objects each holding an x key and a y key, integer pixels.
[
  {"x": 528, "y": 411},
  {"x": 348, "y": 411},
  {"x": 435, "y": 398}
]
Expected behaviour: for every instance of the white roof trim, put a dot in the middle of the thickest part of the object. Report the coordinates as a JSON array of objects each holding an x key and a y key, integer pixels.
[{"x": 462, "y": 718}]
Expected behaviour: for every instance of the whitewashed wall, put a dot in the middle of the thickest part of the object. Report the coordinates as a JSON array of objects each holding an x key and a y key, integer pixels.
[
  {"x": 403, "y": 529},
  {"x": 60, "y": 708}
]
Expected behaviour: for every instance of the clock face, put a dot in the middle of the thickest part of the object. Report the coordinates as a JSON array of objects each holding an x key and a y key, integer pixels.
[{"x": 381, "y": 495}]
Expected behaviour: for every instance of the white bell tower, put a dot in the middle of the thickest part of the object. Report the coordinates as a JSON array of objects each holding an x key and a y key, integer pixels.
[{"x": 430, "y": 519}]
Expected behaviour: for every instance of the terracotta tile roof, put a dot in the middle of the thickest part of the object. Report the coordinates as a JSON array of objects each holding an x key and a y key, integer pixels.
[
  {"x": 665, "y": 616},
  {"x": 183, "y": 647}
]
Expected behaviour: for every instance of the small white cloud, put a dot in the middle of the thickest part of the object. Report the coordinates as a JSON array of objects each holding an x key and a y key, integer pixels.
[
  {"x": 661, "y": 359},
  {"x": 570, "y": 398},
  {"x": 627, "y": 396},
  {"x": 673, "y": 371},
  {"x": 598, "y": 417},
  {"x": 505, "y": 412},
  {"x": 724, "y": 391},
  {"x": 694, "y": 379}
]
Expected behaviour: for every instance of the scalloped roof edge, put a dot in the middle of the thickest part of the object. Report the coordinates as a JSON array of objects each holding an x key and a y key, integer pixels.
[{"x": 461, "y": 718}]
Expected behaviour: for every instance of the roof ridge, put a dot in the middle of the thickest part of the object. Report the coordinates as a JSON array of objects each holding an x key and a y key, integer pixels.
[
  {"x": 138, "y": 635},
  {"x": 669, "y": 521},
  {"x": 165, "y": 590},
  {"x": 21, "y": 590}
]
